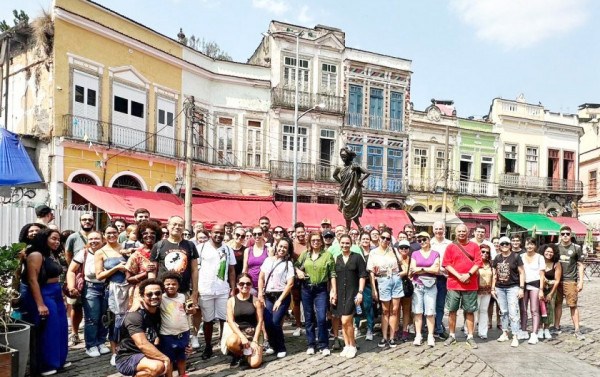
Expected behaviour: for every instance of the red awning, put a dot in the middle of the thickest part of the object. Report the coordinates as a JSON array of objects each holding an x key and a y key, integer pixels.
[
  {"x": 118, "y": 202},
  {"x": 477, "y": 216},
  {"x": 219, "y": 208},
  {"x": 579, "y": 228}
]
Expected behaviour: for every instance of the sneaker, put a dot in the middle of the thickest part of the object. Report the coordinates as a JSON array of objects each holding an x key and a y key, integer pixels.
[
  {"x": 351, "y": 353},
  {"x": 113, "y": 360},
  {"x": 382, "y": 343},
  {"x": 267, "y": 350},
  {"x": 344, "y": 352},
  {"x": 73, "y": 340},
  {"x": 522, "y": 335},
  {"x": 556, "y": 330},
  {"x": 418, "y": 340},
  {"x": 201, "y": 331},
  {"x": 297, "y": 332},
  {"x": 533, "y": 338},
  {"x": 392, "y": 343},
  {"x": 103, "y": 349},
  {"x": 235, "y": 362},
  {"x": 579, "y": 336},
  {"x": 450, "y": 341},
  {"x": 483, "y": 336},
  {"x": 194, "y": 342},
  {"x": 66, "y": 365},
  {"x": 208, "y": 352},
  {"x": 325, "y": 352},
  {"x": 471, "y": 342},
  {"x": 405, "y": 335},
  {"x": 310, "y": 351},
  {"x": 430, "y": 340},
  {"x": 281, "y": 355},
  {"x": 49, "y": 372},
  {"x": 369, "y": 335},
  {"x": 92, "y": 352},
  {"x": 515, "y": 342},
  {"x": 442, "y": 335},
  {"x": 540, "y": 334},
  {"x": 337, "y": 344},
  {"x": 503, "y": 337},
  {"x": 547, "y": 334}
]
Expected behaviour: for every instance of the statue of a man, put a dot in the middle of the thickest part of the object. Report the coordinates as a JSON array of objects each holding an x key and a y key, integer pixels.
[{"x": 350, "y": 177}]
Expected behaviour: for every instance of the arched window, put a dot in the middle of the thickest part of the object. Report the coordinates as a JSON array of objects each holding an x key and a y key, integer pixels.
[
  {"x": 164, "y": 190},
  {"x": 439, "y": 209},
  {"x": 127, "y": 182},
  {"x": 84, "y": 179},
  {"x": 465, "y": 209},
  {"x": 486, "y": 210},
  {"x": 373, "y": 205},
  {"x": 418, "y": 208},
  {"x": 393, "y": 205}
]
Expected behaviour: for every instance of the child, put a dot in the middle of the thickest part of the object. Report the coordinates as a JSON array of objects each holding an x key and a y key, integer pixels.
[
  {"x": 131, "y": 242},
  {"x": 174, "y": 328}
]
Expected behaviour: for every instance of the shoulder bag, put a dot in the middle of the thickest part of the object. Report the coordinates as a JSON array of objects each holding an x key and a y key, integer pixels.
[
  {"x": 407, "y": 285},
  {"x": 79, "y": 278}
]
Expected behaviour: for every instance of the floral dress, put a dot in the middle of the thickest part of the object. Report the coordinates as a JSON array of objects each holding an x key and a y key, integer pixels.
[{"x": 137, "y": 263}]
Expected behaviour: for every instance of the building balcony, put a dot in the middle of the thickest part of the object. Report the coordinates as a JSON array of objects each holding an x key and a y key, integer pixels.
[
  {"x": 374, "y": 122},
  {"x": 283, "y": 97},
  {"x": 387, "y": 183},
  {"x": 542, "y": 184},
  {"x": 454, "y": 185}
]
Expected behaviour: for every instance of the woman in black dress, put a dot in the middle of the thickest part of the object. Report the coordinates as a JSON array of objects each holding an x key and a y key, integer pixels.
[{"x": 346, "y": 291}]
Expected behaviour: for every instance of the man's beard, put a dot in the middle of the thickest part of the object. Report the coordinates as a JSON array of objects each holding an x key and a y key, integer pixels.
[{"x": 87, "y": 228}]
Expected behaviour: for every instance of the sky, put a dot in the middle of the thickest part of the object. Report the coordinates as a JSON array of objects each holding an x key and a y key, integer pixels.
[{"x": 469, "y": 51}]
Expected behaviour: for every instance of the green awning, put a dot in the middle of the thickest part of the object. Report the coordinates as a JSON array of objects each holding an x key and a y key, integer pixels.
[{"x": 542, "y": 224}]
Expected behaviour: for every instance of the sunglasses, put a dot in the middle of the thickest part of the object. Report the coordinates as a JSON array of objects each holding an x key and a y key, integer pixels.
[
  {"x": 404, "y": 247},
  {"x": 153, "y": 294},
  {"x": 384, "y": 238},
  {"x": 186, "y": 234},
  {"x": 421, "y": 240},
  {"x": 315, "y": 240},
  {"x": 149, "y": 234},
  {"x": 565, "y": 234},
  {"x": 257, "y": 234},
  {"x": 505, "y": 244},
  {"x": 485, "y": 251},
  {"x": 245, "y": 284},
  {"x": 240, "y": 235},
  {"x": 278, "y": 232}
]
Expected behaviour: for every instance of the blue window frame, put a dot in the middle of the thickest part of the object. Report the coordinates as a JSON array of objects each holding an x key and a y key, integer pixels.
[
  {"x": 375, "y": 167},
  {"x": 376, "y": 109},
  {"x": 355, "y": 105},
  {"x": 358, "y": 149},
  {"x": 396, "y": 107},
  {"x": 395, "y": 165}
]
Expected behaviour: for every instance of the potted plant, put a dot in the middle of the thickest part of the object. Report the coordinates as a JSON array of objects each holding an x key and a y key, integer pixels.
[{"x": 13, "y": 335}]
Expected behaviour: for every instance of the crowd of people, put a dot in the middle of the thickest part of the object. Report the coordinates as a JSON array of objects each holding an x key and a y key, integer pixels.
[{"x": 149, "y": 293}]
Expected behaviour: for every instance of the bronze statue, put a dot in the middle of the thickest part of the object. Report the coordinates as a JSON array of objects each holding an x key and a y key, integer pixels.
[{"x": 350, "y": 177}]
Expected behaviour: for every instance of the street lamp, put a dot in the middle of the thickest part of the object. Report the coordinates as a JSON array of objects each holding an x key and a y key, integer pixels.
[{"x": 297, "y": 35}]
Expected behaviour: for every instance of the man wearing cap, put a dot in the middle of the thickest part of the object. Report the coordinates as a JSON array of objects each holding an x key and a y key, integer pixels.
[
  {"x": 44, "y": 214},
  {"x": 439, "y": 243},
  {"x": 325, "y": 225},
  {"x": 571, "y": 261},
  {"x": 462, "y": 260}
]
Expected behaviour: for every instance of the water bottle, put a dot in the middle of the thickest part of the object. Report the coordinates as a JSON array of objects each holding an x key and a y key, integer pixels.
[{"x": 358, "y": 308}]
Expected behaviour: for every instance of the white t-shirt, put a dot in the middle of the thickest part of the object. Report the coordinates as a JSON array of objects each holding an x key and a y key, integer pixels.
[
  {"x": 385, "y": 262},
  {"x": 209, "y": 259},
  {"x": 281, "y": 274},
  {"x": 173, "y": 320},
  {"x": 440, "y": 247},
  {"x": 89, "y": 270},
  {"x": 532, "y": 270}
]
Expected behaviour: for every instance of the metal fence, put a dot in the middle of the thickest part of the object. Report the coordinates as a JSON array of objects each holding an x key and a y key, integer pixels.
[{"x": 12, "y": 219}]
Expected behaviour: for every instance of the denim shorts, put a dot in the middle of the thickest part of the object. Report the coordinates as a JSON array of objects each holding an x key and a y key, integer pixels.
[
  {"x": 174, "y": 346},
  {"x": 127, "y": 365},
  {"x": 423, "y": 300},
  {"x": 390, "y": 287}
]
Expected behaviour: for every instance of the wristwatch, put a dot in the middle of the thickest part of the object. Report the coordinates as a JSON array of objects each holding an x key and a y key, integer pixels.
[
  {"x": 470, "y": 274},
  {"x": 361, "y": 292}
]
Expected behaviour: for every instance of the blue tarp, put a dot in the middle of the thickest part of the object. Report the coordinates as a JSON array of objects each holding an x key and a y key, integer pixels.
[{"x": 16, "y": 167}]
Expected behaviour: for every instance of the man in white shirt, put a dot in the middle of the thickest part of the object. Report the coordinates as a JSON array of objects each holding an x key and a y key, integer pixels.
[
  {"x": 438, "y": 243},
  {"x": 479, "y": 238},
  {"x": 216, "y": 282}
]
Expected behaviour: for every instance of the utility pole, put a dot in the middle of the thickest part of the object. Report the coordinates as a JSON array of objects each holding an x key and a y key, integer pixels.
[{"x": 189, "y": 126}]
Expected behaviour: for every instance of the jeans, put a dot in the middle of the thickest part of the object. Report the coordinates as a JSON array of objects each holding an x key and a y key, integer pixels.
[
  {"x": 368, "y": 310},
  {"x": 314, "y": 302},
  {"x": 440, "y": 302},
  {"x": 273, "y": 323},
  {"x": 532, "y": 297},
  {"x": 481, "y": 315},
  {"x": 508, "y": 301},
  {"x": 95, "y": 305}
]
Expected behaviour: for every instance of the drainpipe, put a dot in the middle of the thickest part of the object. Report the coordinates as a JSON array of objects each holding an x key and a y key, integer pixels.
[{"x": 6, "y": 65}]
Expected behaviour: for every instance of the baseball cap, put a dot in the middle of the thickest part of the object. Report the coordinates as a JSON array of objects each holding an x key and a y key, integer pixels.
[
  {"x": 423, "y": 234},
  {"x": 504, "y": 239},
  {"x": 404, "y": 243},
  {"x": 42, "y": 210},
  {"x": 326, "y": 221},
  {"x": 328, "y": 233}
]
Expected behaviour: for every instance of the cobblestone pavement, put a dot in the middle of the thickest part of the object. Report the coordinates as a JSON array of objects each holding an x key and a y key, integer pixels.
[{"x": 404, "y": 360}]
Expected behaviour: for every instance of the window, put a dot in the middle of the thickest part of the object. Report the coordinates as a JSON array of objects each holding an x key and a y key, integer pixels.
[
  {"x": 394, "y": 170},
  {"x": 375, "y": 158},
  {"x": 396, "y": 105},
  {"x": 289, "y": 73},
  {"x": 510, "y": 158},
  {"x": 592, "y": 188},
  {"x": 440, "y": 160},
  {"x": 121, "y": 105},
  {"x": 79, "y": 93},
  {"x": 531, "y": 162},
  {"x": 288, "y": 138},
  {"x": 91, "y": 99},
  {"x": 376, "y": 109},
  {"x": 358, "y": 149},
  {"x": 224, "y": 145},
  {"x": 254, "y": 144},
  {"x": 137, "y": 109},
  {"x": 329, "y": 78},
  {"x": 355, "y": 105},
  {"x": 420, "y": 158}
]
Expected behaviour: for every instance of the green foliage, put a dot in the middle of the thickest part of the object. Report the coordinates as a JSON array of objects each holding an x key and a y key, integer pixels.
[
  {"x": 19, "y": 17},
  {"x": 208, "y": 48},
  {"x": 9, "y": 262}
]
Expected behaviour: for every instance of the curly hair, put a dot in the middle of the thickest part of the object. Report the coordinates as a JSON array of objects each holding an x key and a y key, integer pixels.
[
  {"x": 23, "y": 234},
  {"x": 555, "y": 256},
  {"x": 148, "y": 224},
  {"x": 147, "y": 282}
]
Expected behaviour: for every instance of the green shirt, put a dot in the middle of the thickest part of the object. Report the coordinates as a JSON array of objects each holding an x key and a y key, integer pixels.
[
  {"x": 336, "y": 250},
  {"x": 319, "y": 270}
]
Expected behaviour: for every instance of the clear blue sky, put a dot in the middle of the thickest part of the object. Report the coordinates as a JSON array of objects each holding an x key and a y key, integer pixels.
[{"x": 470, "y": 51}]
